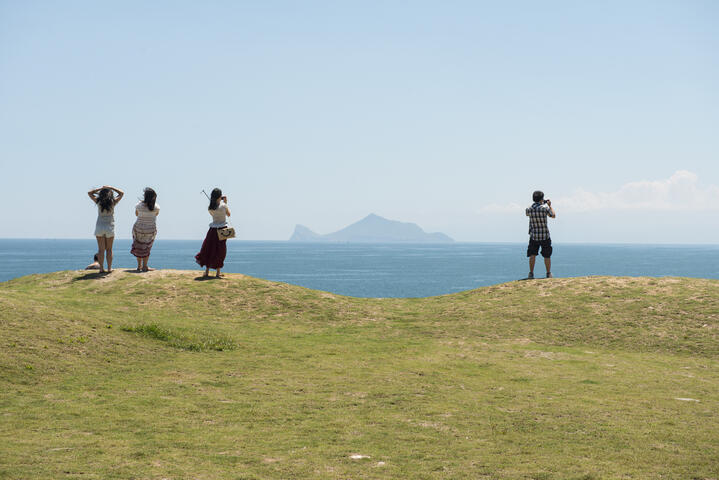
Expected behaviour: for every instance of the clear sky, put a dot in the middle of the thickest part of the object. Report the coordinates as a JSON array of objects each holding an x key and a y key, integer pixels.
[{"x": 444, "y": 113}]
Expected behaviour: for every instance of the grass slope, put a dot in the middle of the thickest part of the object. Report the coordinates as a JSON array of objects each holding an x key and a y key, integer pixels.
[{"x": 161, "y": 376}]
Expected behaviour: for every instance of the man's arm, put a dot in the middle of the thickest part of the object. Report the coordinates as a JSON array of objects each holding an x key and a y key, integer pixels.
[{"x": 551, "y": 210}]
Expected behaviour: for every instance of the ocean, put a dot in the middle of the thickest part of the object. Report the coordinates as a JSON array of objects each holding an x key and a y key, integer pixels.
[{"x": 376, "y": 270}]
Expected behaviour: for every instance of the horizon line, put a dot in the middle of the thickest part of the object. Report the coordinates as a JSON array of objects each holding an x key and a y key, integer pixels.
[{"x": 389, "y": 243}]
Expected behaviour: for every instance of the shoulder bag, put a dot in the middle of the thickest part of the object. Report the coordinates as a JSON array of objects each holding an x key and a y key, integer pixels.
[{"x": 226, "y": 232}]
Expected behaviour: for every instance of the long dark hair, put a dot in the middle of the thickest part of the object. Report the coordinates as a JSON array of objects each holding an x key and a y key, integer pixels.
[
  {"x": 150, "y": 197},
  {"x": 214, "y": 197},
  {"x": 106, "y": 199}
]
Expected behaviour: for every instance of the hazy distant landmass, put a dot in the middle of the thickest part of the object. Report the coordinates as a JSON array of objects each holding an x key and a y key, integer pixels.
[{"x": 372, "y": 229}]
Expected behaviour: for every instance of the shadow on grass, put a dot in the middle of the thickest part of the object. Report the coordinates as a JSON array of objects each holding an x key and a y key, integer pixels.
[
  {"x": 91, "y": 276},
  {"x": 203, "y": 278}
]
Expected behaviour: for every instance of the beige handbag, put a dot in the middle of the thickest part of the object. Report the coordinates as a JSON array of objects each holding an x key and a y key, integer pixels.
[{"x": 225, "y": 232}]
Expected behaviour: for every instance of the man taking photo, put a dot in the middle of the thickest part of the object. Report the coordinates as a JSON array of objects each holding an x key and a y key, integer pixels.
[{"x": 539, "y": 232}]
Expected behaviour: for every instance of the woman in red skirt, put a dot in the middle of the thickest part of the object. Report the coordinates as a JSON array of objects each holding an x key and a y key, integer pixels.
[{"x": 213, "y": 251}]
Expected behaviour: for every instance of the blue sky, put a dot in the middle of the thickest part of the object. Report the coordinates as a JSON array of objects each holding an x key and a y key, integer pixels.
[{"x": 447, "y": 114}]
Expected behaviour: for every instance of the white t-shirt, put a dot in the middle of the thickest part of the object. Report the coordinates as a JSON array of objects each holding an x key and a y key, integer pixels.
[
  {"x": 219, "y": 216},
  {"x": 144, "y": 212}
]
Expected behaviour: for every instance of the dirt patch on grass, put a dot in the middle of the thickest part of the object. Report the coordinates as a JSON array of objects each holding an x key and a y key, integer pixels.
[{"x": 543, "y": 354}]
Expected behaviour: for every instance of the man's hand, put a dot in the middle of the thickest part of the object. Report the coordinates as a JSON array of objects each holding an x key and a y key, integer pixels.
[{"x": 551, "y": 210}]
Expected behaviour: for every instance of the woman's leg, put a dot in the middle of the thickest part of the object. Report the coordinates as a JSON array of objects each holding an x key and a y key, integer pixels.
[
  {"x": 207, "y": 271},
  {"x": 222, "y": 251},
  {"x": 101, "y": 253},
  {"x": 145, "y": 267},
  {"x": 108, "y": 249},
  {"x": 134, "y": 247}
]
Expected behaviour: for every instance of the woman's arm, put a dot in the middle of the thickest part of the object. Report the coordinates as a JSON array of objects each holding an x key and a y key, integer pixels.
[
  {"x": 136, "y": 214},
  {"x": 227, "y": 209},
  {"x": 119, "y": 192},
  {"x": 93, "y": 194}
]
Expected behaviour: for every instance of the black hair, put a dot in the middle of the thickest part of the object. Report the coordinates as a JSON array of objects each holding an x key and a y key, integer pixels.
[
  {"x": 538, "y": 196},
  {"x": 105, "y": 199},
  {"x": 150, "y": 197},
  {"x": 214, "y": 197},
  {"x": 95, "y": 257}
]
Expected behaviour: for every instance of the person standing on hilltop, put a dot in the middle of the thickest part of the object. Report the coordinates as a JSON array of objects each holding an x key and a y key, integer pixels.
[
  {"x": 213, "y": 251},
  {"x": 145, "y": 229},
  {"x": 105, "y": 200},
  {"x": 539, "y": 232}
]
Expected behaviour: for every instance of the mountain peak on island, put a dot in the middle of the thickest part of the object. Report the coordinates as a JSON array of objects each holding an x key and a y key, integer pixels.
[{"x": 372, "y": 229}]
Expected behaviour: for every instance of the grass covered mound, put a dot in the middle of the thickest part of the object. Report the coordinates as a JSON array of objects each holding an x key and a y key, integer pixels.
[{"x": 158, "y": 375}]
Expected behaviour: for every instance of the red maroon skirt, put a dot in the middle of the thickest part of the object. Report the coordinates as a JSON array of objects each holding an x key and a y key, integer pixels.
[{"x": 213, "y": 251}]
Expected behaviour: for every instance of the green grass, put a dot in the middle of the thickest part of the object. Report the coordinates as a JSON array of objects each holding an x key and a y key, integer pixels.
[
  {"x": 160, "y": 376},
  {"x": 197, "y": 341}
]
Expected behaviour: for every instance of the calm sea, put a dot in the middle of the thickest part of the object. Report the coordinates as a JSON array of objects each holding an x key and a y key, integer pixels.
[{"x": 376, "y": 270}]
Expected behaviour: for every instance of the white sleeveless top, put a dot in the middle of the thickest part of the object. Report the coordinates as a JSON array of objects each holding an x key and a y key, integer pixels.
[
  {"x": 219, "y": 216},
  {"x": 105, "y": 224}
]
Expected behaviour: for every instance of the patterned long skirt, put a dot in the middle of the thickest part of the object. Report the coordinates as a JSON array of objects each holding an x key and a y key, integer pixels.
[
  {"x": 213, "y": 251},
  {"x": 143, "y": 236}
]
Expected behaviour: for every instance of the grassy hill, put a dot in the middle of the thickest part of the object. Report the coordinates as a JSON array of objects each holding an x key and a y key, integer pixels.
[{"x": 160, "y": 375}]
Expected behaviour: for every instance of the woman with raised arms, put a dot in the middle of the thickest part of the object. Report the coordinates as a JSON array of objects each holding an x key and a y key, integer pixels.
[{"x": 105, "y": 197}]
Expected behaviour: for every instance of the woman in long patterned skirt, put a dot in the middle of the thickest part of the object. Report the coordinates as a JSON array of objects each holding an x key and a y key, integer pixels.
[
  {"x": 145, "y": 229},
  {"x": 213, "y": 251}
]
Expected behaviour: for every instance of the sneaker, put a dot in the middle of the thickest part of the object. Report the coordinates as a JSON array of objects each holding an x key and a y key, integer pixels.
[
  {"x": 531, "y": 275},
  {"x": 549, "y": 275}
]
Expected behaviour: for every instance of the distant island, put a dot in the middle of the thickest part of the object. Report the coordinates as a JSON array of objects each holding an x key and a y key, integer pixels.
[{"x": 372, "y": 229}]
